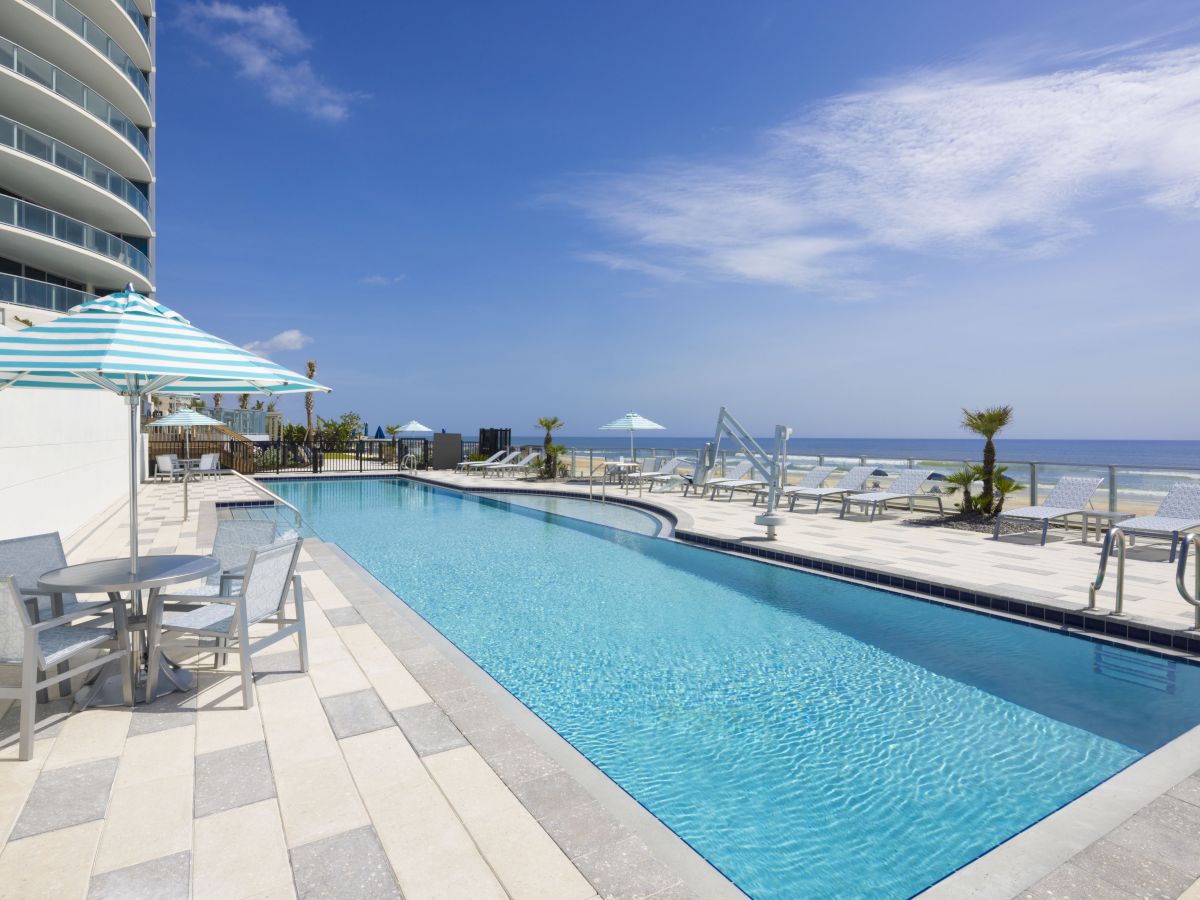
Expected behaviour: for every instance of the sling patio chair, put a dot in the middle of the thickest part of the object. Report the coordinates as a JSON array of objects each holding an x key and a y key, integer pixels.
[
  {"x": 737, "y": 473},
  {"x": 1070, "y": 497},
  {"x": 732, "y": 485},
  {"x": 210, "y": 465},
  {"x": 811, "y": 479},
  {"x": 262, "y": 597},
  {"x": 468, "y": 464},
  {"x": 39, "y": 647},
  {"x": 522, "y": 465},
  {"x": 662, "y": 473},
  {"x": 905, "y": 488},
  {"x": 166, "y": 465},
  {"x": 852, "y": 481},
  {"x": 507, "y": 460},
  {"x": 1179, "y": 512},
  {"x": 26, "y": 559}
]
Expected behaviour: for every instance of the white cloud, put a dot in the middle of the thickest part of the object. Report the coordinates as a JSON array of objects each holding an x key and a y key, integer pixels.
[
  {"x": 268, "y": 47},
  {"x": 292, "y": 339},
  {"x": 619, "y": 263},
  {"x": 951, "y": 162},
  {"x": 380, "y": 280}
]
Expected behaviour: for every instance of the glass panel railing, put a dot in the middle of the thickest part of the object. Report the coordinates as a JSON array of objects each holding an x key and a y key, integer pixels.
[
  {"x": 71, "y": 231},
  {"x": 28, "y": 292},
  {"x": 139, "y": 20},
  {"x": 33, "y": 67},
  {"x": 27, "y": 140},
  {"x": 66, "y": 14}
]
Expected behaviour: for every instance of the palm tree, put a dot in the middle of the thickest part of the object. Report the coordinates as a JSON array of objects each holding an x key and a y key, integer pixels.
[
  {"x": 965, "y": 478},
  {"x": 392, "y": 430},
  {"x": 987, "y": 423},
  {"x": 551, "y": 424},
  {"x": 311, "y": 371},
  {"x": 216, "y": 401},
  {"x": 243, "y": 401}
]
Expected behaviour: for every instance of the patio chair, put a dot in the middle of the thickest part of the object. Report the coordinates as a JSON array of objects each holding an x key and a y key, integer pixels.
[
  {"x": 1070, "y": 497},
  {"x": 483, "y": 467},
  {"x": 166, "y": 465},
  {"x": 737, "y": 473},
  {"x": 522, "y": 465},
  {"x": 235, "y": 541},
  {"x": 753, "y": 483},
  {"x": 229, "y": 617},
  {"x": 39, "y": 647},
  {"x": 852, "y": 481},
  {"x": 1179, "y": 512},
  {"x": 467, "y": 464},
  {"x": 210, "y": 465},
  {"x": 811, "y": 479},
  {"x": 27, "y": 559},
  {"x": 906, "y": 487}
]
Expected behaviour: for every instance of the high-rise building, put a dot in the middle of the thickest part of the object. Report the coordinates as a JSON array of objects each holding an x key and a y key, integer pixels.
[
  {"x": 76, "y": 149},
  {"x": 76, "y": 220}
]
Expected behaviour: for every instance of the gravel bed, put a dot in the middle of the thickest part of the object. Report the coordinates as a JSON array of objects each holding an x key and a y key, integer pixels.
[{"x": 958, "y": 523}]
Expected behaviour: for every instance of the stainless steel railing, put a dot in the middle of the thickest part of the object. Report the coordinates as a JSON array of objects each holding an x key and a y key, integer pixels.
[
  {"x": 1115, "y": 537},
  {"x": 258, "y": 486},
  {"x": 1192, "y": 597}
]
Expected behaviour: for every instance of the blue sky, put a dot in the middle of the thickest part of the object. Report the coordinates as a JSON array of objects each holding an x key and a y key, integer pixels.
[{"x": 852, "y": 220}]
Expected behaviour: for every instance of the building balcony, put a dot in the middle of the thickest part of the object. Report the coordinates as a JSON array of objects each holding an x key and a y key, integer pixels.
[
  {"x": 58, "y": 31},
  {"x": 28, "y": 292},
  {"x": 51, "y": 100},
  {"x": 126, "y": 23},
  {"x": 57, "y": 175},
  {"x": 59, "y": 243}
]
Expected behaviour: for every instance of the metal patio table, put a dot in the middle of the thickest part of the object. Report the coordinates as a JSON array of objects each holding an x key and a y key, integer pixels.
[
  {"x": 1099, "y": 515},
  {"x": 112, "y": 577}
]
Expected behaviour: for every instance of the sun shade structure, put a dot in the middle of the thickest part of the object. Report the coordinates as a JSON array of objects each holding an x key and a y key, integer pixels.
[
  {"x": 133, "y": 346},
  {"x": 632, "y": 422},
  {"x": 414, "y": 426},
  {"x": 187, "y": 419}
]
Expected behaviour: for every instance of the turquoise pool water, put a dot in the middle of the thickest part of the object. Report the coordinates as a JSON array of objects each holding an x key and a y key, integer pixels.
[{"x": 807, "y": 736}]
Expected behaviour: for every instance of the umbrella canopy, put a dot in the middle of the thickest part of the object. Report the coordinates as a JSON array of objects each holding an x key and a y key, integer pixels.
[
  {"x": 133, "y": 346},
  {"x": 631, "y": 422},
  {"x": 185, "y": 418},
  {"x": 379, "y": 432},
  {"x": 413, "y": 425}
]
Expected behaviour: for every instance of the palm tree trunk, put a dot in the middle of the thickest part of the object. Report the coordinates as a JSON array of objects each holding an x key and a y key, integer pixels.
[{"x": 987, "y": 495}]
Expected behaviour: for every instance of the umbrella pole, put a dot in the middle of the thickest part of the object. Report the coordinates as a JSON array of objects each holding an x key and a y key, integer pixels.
[
  {"x": 135, "y": 452},
  {"x": 187, "y": 468}
]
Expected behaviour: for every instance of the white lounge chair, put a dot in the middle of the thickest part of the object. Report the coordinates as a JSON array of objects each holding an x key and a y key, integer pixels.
[
  {"x": 505, "y": 460},
  {"x": 521, "y": 465},
  {"x": 270, "y": 573},
  {"x": 1070, "y": 497},
  {"x": 468, "y": 464},
  {"x": 1178, "y": 513},
  {"x": 906, "y": 487},
  {"x": 737, "y": 473},
  {"x": 811, "y": 479},
  {"x": 731, "y": 485},
  {"x": 852, "y": 481},
  {"x": 662, "y": 473}
]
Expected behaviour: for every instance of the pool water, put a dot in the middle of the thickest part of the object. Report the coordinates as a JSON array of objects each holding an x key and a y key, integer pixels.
[{"x": 809, "y": 737}]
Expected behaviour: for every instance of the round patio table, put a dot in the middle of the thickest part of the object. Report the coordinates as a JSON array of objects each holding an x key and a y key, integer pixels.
[{"x": 112, "y": 577}]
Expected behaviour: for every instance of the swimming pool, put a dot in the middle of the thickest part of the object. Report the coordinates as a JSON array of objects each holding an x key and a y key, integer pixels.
[{"x": 808, "y": 736}]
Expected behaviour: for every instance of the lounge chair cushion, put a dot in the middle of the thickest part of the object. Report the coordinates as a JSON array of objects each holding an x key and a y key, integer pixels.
[
  {"x": 1038, "y": 513},
  {"x": 1160, "y": 524}
]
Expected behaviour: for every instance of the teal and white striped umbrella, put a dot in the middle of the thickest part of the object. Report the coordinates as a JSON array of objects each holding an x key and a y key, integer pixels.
[
  {"x": 187, "y": 419},
  {"x": 631, "y": 422},
  {"x": 131, "y": 345}
]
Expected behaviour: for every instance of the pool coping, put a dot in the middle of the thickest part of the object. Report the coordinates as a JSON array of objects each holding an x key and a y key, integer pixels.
[
  {"x": 1023, "y": 859},
  {"x": 697, "y": 874}
]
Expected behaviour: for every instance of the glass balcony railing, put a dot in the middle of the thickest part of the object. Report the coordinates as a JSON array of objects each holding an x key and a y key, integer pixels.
[
  {"x": 139, "y": 20},
  {"x": 33, "y": 67},
  {"x": 27, "y": 292},
  {"x": 42, "y": 146},
  {"x": 40, "y": 220},
  {"x": 63, "y": 12}
]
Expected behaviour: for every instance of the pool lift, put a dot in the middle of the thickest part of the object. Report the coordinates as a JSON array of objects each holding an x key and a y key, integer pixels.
[{"x": 771, "y": 467}]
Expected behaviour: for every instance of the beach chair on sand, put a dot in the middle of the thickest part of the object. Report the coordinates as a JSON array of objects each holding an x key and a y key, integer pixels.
[
  {"x": 1070, "y": 497},
  {"x": 905, "y": 488},
  {"x": 737, "y": 473},
  {"x": 852, "y": 481},
  {"x": 813, "y": 478},
  {"x": 468, "y": 464},
  {"x": 1179, "y": 512}
]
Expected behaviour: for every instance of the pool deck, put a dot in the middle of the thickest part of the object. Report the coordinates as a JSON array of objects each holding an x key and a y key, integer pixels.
[{"x": 396, "y": 767}]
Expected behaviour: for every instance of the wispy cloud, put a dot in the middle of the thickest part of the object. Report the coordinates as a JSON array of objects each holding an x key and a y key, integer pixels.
[
  {"x": 619, "y": 263},
  {"x": 292, "y": 339},
  {"x": 267, "y": 45},
  {"x": 380, "y": 280},
  {"x": 951, "y": 162}
]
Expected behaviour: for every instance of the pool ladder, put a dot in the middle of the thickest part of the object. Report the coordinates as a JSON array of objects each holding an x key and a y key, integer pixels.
[{"x": 1116, "y": 537}]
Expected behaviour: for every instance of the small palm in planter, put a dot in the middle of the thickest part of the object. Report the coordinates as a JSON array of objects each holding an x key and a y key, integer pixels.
[
  {"x": 987, "y": 423},
  {"x": 549, "y": 448}
]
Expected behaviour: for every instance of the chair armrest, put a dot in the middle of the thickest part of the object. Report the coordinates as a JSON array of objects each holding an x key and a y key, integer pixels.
[
  {"x": 195, "y": 600},
  {"x": 75, "y": 615}
]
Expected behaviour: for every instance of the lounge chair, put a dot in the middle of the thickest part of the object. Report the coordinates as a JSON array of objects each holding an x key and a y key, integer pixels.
[
  {"x": 811, "y": 479},
  {"x": 270, "y": 573},
  {"x": 506, "y": 459},
  {"x": 1179, "y": 512},
  {"x": 852, "y": 481},
  {"x": 467, "y": 464},
  {"x": 662, "y": 473},
  {"x": 1070, "y": 497},
  {"x": 906, "y": 487},
  {"x": 737, "y": 473},
  {"x": 753, "y": 483},
  {"x": 37, "y": 648},
  {"x": 522, "y": 465}
]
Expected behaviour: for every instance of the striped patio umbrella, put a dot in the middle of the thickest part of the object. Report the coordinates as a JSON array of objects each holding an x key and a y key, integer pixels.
[
  {"x": 413, "y": 426},
  {"x": 133, "y": 346},
  {"x": 187, "y": 419},
  {"x": 631, "y": 422}
]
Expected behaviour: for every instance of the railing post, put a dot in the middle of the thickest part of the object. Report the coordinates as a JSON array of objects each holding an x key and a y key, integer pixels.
[
  {"x": 1112, "y": 488},
  {"x": 1033, "y": 495},
  {"x": 358, "y": 451},
  {"x": 591, "y": 472},
  {"x": 279, "y": 457}
]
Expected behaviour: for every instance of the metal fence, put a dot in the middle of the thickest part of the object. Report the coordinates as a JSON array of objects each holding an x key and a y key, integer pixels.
[{"x": 279, "y": 457}]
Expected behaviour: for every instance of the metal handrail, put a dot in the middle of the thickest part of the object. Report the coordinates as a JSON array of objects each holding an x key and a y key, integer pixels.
[
  {"x": 1191, "y": 540},
  {"x": 1117, "y": 536},
  {"x": 270, "y": 493}
]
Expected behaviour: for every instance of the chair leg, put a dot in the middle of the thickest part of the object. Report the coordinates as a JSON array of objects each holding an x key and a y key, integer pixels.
[
  {"x": 154, "y": 640},
  {"x": 124, "y": 644},
  {"x": 996, "y": 529},
  {"x": 28, "y": 703},
  {"x": 1045, "y": 528},
  {"x": 1174, "y": 545},
  {"x": 243, "y": 653},
  {"x": 298, "y": 590}
]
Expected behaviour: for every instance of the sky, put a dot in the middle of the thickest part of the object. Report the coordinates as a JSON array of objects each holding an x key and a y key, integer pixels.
[{"x": 852, "y": 219}]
